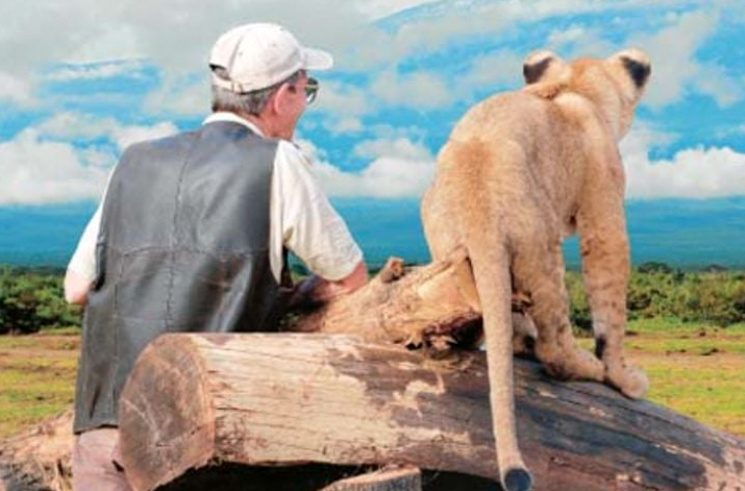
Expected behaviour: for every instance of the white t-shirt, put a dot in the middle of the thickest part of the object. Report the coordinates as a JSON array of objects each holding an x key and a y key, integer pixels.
[{"x": 301, "y": 219}]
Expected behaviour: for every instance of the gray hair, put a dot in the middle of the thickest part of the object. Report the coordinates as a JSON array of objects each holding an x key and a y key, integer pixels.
[{"x": 246, "y": 102}]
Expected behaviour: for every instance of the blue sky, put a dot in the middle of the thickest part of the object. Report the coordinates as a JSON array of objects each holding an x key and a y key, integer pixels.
[{"x": 81, "y": 79}]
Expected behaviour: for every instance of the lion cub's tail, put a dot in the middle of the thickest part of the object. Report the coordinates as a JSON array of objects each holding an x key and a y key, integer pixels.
[{"x": 490, "y": 264}]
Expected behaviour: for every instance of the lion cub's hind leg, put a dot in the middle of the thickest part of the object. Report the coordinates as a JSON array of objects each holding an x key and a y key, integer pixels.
[
  {"x": 524, "y": 332},
  {"x": 540, "y": 271},
  {"x": 440, "y": 230}
]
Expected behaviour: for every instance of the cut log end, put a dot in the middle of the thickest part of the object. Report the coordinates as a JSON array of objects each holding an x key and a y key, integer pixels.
[{"x": 169, "y": 418}]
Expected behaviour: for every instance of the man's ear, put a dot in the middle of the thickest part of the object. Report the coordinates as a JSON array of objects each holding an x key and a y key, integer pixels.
[
  {"x": 541, "y": 66},
  {"x": 279, "y": 99},
  {"x": 636, "y": 65}
]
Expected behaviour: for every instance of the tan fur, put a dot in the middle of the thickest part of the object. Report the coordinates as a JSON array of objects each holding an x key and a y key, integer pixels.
[{"x": 520, "y": 171}]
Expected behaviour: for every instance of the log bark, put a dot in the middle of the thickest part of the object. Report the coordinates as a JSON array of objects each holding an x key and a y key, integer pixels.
[
  {"x": 204, "y": 401},
  {"x": 432, "y": 306},
  {"x": 38, "y": 459}
]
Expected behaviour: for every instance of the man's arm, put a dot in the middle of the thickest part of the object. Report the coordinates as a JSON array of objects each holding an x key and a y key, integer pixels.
[
  {"x": 309, "y": 226},
  {"x": 315, "y": 289},
  {"x": 81, "y": 271},
  {"x": 356, "y": 279},
  {"x": 76, "y": 288}
]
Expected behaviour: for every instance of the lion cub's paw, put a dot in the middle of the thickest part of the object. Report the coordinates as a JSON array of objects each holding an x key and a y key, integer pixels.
[
  {"x": 631, "y": 381},
  {"x": 585, "y": 365},
  {"x": 524, "y": 335},
  {"x": 570, "y": 364}
]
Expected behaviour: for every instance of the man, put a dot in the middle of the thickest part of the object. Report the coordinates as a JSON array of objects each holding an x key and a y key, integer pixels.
[{"x": 191, "y": 233}]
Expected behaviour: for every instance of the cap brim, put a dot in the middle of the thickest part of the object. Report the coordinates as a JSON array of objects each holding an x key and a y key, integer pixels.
[{"x": 316, "y": 59}]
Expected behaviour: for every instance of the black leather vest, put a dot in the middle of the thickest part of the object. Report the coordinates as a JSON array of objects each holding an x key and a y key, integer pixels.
[{"x": 183, "y": 247}]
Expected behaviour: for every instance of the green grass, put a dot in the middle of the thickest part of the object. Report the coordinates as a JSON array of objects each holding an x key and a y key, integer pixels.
[
  {"x": 696, "y": 369},
  {"x": 675, "y": 326},
  {"x": 36, "y": 378},
  {"x": 711, "y": 391}
]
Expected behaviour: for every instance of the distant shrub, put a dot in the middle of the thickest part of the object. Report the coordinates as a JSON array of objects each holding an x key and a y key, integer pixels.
[
  {"x": 31, "y": 301},
  {"x": 654, "y": 267},
  {"x": 656, "y": 290}
]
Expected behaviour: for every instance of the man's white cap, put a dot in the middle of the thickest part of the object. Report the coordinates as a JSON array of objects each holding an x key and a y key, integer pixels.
[{"x": 257, "y": 56}]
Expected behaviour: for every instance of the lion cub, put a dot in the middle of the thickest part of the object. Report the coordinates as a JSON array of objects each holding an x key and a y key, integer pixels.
[{"x": 521, "y": 171}]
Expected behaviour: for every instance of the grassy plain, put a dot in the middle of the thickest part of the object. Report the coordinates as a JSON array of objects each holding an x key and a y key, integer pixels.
[
  {"x": 694, "y": 368},
  {"x": 37, "y": 377}
]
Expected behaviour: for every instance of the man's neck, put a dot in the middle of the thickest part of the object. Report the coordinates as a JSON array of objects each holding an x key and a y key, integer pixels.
[
  {"x": 270, "y": 127},
  {"x": 267, "y": 126},
  {"x": 257, "y": 121}
]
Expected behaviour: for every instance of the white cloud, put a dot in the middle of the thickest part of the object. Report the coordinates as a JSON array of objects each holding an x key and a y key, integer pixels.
[
  {"x": 345, "y": 125},
  {"x": 571, "y": 34},
  {"x": 181, "y": 96},
  {"x": 729, "y": 131},
  {"x": 124, "y": 136},
  {"x": 376, "y": 9},
  {"x": 174, "y": 34},
  {"x": 422, "y": 90},
  {"x": 435, "y": 25},
  {"x": 77, "y": 126},
  {"x": 396, "y": 148},
  {"x": 385, "y": 177},
  {"x": 117, "y": 41},
  {"x": 72, "y": 126},
  {"x": 400, "y": 169},
  {"x": 492, "y": 70},
  {"x": 691, "y": 173},
  {"x": 577, "y": 41},
  {"x": 714, "y": 81},
  {"x": 390, "y": 132},
  {"x": 16, "y": 90},
  {"x": 41, "y": 166},
  {"x": 343, "y": 99},
  {"x": 70, "y": 72},
  {"x": 674, "y": 65},
  {"x": 40, "y": 172}
]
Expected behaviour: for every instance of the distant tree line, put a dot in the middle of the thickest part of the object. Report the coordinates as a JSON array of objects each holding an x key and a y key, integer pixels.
[
  {"x": 713, "y": 295},
  {"x": 32, "y": 299}
]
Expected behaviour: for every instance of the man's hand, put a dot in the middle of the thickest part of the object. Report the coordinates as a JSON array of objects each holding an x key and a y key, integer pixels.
[
  {"x": 76, "y": 288},
  {"x": 315, "y": 291}
]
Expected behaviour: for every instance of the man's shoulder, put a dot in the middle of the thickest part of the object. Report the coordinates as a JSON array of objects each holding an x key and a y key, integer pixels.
[
  {"x": 175, "y": 139},
  {"x": 164, "y": 144},
  {"x": 292, "y": 156}
]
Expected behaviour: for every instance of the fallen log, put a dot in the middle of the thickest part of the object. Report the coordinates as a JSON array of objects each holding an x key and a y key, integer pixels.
[
  {"x": 201, "y": 402},
  {"x": 38, "y": 459}
]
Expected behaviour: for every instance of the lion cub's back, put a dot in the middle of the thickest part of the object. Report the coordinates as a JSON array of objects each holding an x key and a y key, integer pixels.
[
  {"x": 498, "y": 140},
  {"x": 517, "y": 116}
]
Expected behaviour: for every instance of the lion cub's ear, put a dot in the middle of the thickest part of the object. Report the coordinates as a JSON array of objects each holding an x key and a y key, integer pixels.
[
  {"x": 635, "y": 65},
  {"x": 546, "y": 75},
  {"x": 541, "y": 66}
]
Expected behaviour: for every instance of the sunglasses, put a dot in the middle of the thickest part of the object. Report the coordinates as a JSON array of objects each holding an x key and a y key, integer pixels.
[{"x": 311, "y": 90}]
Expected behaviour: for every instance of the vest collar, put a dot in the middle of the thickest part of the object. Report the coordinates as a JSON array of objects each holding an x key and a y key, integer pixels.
[{"x": 226, "y": 116}]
